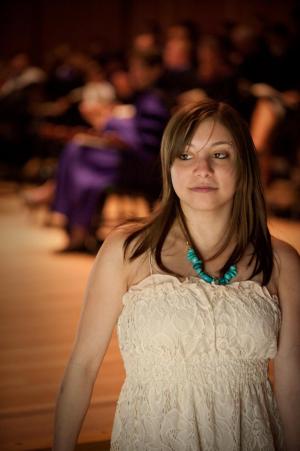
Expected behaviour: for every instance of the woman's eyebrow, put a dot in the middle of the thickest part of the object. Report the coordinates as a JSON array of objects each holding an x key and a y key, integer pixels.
[
  {"x": 216, "y": 143},
  {"x": 220, "y": 143}
]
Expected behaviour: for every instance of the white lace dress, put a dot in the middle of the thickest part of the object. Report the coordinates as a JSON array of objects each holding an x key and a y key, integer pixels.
[{"x": 196, "y": 359}]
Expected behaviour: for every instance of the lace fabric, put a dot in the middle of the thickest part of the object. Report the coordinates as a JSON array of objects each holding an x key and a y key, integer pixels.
[{"x": 196, "y": 358}]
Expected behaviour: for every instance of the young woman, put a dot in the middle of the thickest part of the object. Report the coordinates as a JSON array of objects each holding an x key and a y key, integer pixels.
[{"x": 203, "y": 298}]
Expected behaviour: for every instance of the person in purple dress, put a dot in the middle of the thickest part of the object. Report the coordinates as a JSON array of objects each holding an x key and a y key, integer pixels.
[
  {"x": 87, "y": 167},
  {"x": 90, "y": 165}
]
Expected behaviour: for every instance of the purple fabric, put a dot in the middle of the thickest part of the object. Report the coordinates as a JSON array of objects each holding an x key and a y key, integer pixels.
[
  {"x": 85, "y": 172},
  {"x": 151, "y": 118}
]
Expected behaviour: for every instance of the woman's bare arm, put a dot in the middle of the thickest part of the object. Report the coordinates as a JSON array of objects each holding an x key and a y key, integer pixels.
[
  {"x": 287, "y": 360},
  {"x": 101, "y": 309}
]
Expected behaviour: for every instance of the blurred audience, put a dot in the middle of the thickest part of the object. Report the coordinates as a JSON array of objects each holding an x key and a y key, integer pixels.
[
  {"x": 179, "y": 61},
  {"x": 122, "y": 144},
  {"x": 95, "y": 118},
  {"x": 215, "y": 75},
  {"x": 21, "y": 85}
]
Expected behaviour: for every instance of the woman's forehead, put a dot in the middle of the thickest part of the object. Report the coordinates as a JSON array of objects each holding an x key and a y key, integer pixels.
[{"x": 211, "y": 132}]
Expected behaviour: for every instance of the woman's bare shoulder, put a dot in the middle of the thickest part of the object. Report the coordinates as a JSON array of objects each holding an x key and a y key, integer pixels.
[
  {"x": 114, "y": 243},
  {"x": 283, "y": 251},
  {"x": 112, "y": 268},
  {"x": 114, "y": 254},
  {"x": 288, "y": 264}
]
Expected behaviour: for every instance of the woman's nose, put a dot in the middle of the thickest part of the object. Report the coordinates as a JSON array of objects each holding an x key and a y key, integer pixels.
[{"x": 202, "y": 167}]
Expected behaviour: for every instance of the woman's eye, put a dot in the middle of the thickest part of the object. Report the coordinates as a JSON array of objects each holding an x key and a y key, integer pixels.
[
  {"x": 185, "y": 156},
  {"x": 220, "y": 155}
]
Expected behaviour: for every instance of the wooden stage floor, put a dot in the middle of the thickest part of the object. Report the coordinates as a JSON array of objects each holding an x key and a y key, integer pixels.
[{"x": 41, "y": 296}]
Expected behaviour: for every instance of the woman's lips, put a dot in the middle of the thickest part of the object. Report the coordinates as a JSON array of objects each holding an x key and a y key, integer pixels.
[{"x": 203, "y": 189}]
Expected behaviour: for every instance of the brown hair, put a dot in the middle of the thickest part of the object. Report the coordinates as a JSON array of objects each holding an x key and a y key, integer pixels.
[{"x": 248, "y": 221}]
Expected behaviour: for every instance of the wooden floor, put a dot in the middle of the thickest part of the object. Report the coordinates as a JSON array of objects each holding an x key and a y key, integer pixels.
[{"x": 41, "y": 296}]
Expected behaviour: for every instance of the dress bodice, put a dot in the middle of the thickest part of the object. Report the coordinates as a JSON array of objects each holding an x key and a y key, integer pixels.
[
  {"x": 197, "y": 323},
  {"x": 196, "y": 358}
]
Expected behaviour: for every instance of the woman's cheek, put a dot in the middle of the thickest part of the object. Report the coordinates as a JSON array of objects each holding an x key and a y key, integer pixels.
[{"x": 177, "y": 180}]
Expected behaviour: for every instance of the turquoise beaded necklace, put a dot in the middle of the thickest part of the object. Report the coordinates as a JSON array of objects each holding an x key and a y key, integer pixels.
[{"x": 198, "y": 267}]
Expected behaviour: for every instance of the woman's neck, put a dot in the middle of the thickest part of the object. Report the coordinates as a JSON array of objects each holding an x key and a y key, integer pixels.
[{"x": 208, "y": 231}]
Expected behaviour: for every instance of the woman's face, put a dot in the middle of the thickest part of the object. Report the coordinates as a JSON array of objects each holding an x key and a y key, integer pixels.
[{"x": 204, "y": 174}]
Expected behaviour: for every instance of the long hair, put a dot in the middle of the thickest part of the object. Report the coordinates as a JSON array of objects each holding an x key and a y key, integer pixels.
[{"x": 248, "y": 220}]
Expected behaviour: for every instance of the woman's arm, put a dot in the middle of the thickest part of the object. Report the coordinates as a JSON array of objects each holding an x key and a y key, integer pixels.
[
  {"x": 287, "y": 360},
  {"x": 101, "y": 308}
]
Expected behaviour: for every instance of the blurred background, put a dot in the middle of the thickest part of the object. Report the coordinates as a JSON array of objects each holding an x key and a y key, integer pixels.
[{"x": 86, "y": 89}]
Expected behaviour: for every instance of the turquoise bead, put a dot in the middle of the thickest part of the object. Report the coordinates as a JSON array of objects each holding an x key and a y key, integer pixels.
[{"x": 197, "y": 265}]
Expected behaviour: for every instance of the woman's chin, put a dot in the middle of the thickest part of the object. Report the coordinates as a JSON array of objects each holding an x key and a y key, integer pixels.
[{"x": 204, "y": 206}]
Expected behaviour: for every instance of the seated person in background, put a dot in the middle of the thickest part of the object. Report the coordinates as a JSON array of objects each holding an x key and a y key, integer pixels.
[
  {"x": 55, "y": 130},
  {"x": 216, "y": 77},
  {"x": 99, "y": 169},
  {"x": 57, "y": 120},
  {"x": 148, "y": 38},
  {"x": 179, "y": 62},
  {"x": 275, "y": 119},
  {"x": 65, "y": 111},
  {"x": 91, "y": 162},
  {"x": 276, "y": 134},
  {"x": 152, "y": 114}
]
